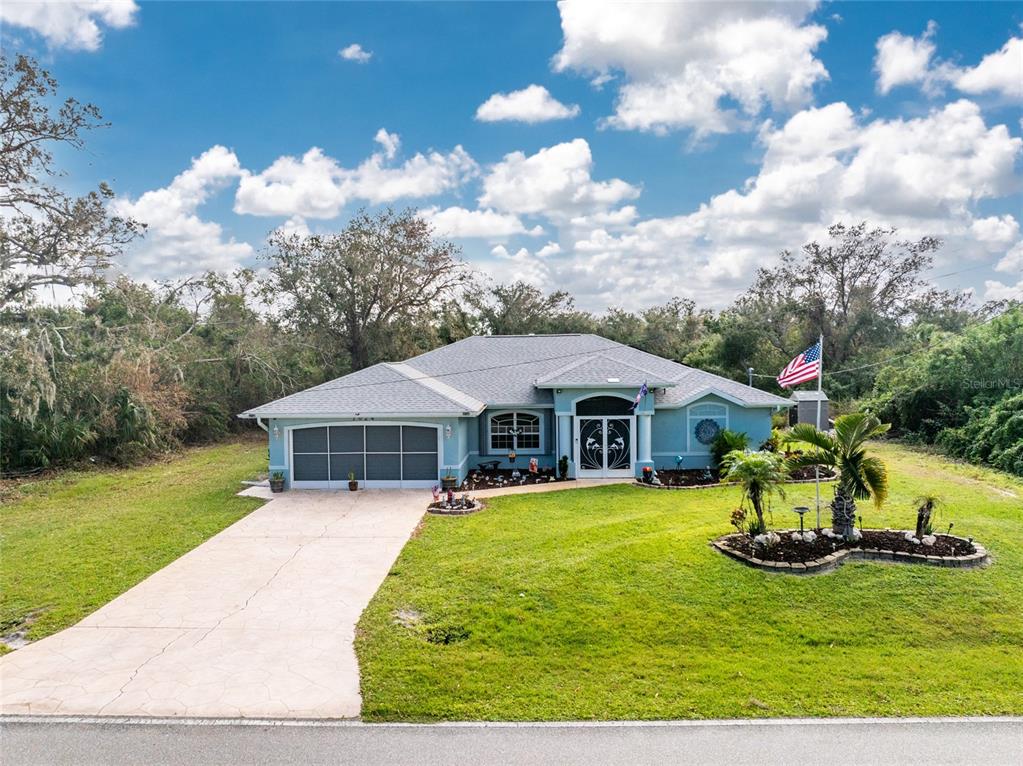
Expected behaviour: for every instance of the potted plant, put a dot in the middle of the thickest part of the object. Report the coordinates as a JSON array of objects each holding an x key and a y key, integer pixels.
[
  {"x": 277, "y": 481},
  {"x": 449, "y": 481},
  {"x": 353, "y": 484},
  {"x": 563, "y": 466}
]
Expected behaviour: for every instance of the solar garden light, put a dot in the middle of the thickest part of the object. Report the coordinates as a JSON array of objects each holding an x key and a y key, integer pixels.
[{"x": 801, "y": 510}]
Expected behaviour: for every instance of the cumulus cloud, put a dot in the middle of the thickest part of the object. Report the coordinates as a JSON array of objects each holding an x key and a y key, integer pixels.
[
  {"x": 682, "y": 62},
  {"x": 904, "y": 60},
  {"x": 459, "y": 222},
  {"x": 532, "y": 104},
  {"x": 317, "y": 186},
  {"x": 999, "y": 72},
  {"x": 178, "y": 242},
  {"x": 356, "y": 53},
  {"x": 555, "y": 182},
  {"x": 72, "y": 24},
  {"x": 924, "y": 176}
]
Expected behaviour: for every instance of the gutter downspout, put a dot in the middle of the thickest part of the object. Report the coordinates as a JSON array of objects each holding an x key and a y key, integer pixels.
[{"x": 261, "y": 424}]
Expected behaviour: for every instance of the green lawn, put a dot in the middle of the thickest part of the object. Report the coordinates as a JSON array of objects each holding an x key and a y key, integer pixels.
[
  {"x": 72, "y": 543},
  {"x": 608, "y": 604}
]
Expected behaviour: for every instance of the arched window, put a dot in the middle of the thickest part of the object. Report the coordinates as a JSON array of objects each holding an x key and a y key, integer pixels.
[
  {"x": 518, "y": 431},
  {"x": 706, "y": 421}
]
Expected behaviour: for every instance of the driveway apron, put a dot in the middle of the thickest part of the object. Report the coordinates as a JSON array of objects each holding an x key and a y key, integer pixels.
[{"x": 258, "y": 621}]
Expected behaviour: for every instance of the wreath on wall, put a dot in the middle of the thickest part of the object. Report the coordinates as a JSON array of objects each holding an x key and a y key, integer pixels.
[{"x": 707, "y": 431}]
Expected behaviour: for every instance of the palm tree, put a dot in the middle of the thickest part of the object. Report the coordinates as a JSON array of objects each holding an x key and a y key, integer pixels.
[
  {"x": 760, "y": 473},
  {"x": 860, "y": 476}
]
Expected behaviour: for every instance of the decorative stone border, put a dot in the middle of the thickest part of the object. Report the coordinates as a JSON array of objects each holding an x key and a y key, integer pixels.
[
  {"x": 832, "y": 561},
  {"x": 476, "y": 506},
  {"x": 719, "y": 484}
]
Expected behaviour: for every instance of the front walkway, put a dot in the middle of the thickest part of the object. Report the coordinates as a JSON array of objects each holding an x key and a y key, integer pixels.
[{"x": 258, "y": 621}]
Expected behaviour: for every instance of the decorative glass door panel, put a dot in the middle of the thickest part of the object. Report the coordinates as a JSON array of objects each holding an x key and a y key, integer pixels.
[
  {"x": 617, "y": 445},
  {"x": 605, "y": 446},
  {"x": 591, "y": 444}
]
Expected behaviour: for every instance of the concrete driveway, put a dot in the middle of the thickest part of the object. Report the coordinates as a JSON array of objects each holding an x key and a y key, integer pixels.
[{"x": 258, "y": 621}]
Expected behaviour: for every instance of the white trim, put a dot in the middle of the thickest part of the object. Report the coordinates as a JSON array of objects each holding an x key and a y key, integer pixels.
[
  {"x": 368, "y": 483},
  {"x": 689, "y": 423},
  {"x": 491, "y": 414},
  {"x": 362, "y": 416}
]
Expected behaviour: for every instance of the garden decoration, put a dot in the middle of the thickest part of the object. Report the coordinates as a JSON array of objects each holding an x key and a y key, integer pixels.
[
  {"x": 678, "y": 462},
  {"x": 534, "y": 465},
  {"x": 707, "y": 431},
  {"x": 801, "y": 510}
]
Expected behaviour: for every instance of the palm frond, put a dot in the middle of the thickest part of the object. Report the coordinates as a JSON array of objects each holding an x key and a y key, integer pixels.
[
  {"x": 807, "y": 432},
  {"x": 875, "y": 476},
  {"x": 810, "y": 459}
]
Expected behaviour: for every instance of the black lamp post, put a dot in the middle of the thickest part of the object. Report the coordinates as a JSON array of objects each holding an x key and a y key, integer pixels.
[{"x": 801, "y": 510}]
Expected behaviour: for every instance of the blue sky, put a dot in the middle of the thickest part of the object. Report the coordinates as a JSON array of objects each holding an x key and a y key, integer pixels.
[{"x": 675, "y": 149}]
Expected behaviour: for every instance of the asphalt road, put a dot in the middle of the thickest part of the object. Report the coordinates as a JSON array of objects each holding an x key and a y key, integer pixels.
[{"x": 973, "y": 742}]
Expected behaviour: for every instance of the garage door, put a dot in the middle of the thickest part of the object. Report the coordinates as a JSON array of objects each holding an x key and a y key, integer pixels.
[{"x": 379, "y": 456}]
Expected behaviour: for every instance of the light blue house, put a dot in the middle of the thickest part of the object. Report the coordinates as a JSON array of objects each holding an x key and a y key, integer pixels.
[{"x": 508, "y": 399}]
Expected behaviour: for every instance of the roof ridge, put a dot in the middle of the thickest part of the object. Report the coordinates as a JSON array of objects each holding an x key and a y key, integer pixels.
[
  {"x": 449, "y": 392},
  {"x": 570, "y": 366}
]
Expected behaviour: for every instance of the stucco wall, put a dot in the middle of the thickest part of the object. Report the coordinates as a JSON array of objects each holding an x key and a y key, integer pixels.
[{"x": 672, "y": 437}]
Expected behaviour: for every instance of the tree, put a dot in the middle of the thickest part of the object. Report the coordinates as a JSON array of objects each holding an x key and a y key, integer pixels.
[
  {"x": 371, "y": 289},
  {"x": 860, "y": 287},
  {"x": 672, "y": 330},
  {"x": 47, "y": 238},
  {"x": 521, "y": 309},
  {"x": 760, "y": 474},
  {"x": 860, "y": 476}
]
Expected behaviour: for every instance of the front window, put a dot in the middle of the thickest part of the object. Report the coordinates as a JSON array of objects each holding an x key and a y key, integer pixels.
[{"x": 514, "y": 431}]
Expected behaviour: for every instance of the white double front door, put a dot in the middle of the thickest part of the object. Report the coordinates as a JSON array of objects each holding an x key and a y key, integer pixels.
[{"x": 605, "y": 447}]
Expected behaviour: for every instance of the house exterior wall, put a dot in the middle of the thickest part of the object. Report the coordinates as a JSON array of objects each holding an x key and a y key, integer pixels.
[
  {"x": 673, "y": 437},
  {"x": 462, "y": 451}
]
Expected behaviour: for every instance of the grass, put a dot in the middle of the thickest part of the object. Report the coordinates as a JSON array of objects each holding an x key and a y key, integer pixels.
[
  {"x": 72, "y": 543},
  {"x": 608, "y": 604}
]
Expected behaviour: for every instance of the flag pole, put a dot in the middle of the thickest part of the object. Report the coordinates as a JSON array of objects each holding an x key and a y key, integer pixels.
[{"x": 820, "y": 389}]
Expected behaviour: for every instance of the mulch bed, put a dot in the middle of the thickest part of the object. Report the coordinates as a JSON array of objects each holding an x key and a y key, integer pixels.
[
  {"x": 502, "y": 477},
  {"x": 703, "y": 477},
  {"x": 457, "y": 507},
  {"x": 880, "y": 539}
]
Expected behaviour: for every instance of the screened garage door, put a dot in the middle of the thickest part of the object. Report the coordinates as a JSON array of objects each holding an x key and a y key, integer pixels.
[{"x": 379, "y": 456}]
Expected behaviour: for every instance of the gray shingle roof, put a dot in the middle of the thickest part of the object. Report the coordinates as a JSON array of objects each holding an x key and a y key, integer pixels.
[{"x": 505, "y": 370}]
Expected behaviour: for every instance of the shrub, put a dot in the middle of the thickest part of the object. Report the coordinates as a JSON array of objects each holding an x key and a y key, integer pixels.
[{"x": 725, "y": 442}]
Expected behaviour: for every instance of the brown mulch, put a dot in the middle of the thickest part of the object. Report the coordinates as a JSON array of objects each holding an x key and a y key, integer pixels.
[
  {"x": 881, "y": 539},
  {"x": 702, "y": 477},
  {"x": 502, "y": 477}
]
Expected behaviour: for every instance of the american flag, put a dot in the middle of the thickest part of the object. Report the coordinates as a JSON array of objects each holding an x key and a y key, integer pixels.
[{"x": 804, "y": 367}]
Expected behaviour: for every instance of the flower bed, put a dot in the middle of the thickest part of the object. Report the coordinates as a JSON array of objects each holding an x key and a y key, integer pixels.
[
  {"x": 820, "y": 550},
  {"x": 696, "y": 478},
  {"x": 504, "y": 477},
  {"x": 460, "y": 506}
]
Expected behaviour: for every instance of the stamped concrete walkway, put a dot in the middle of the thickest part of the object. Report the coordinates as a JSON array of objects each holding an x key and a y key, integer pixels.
[{"x": 258, "y": 621}]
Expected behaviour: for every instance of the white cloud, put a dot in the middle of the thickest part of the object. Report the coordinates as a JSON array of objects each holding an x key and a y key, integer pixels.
[
  {"x": 925, "y": 176},
  {"x": 317, "y": 186},
  {"x": 1001, "y": 72},
  {"x": 554, "y": 182},
  {"x": 355, "y": 52},
  {"x": 903, "y": 60},
  {"x": 178, "y": 242},
  {"x": 72, "y": 24},
  {"x": 532, "y": 104},
  {"x": 551, "y": 248},
  {"x": 489, "y": 224},
  {"x": 681, "y": 60}
]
